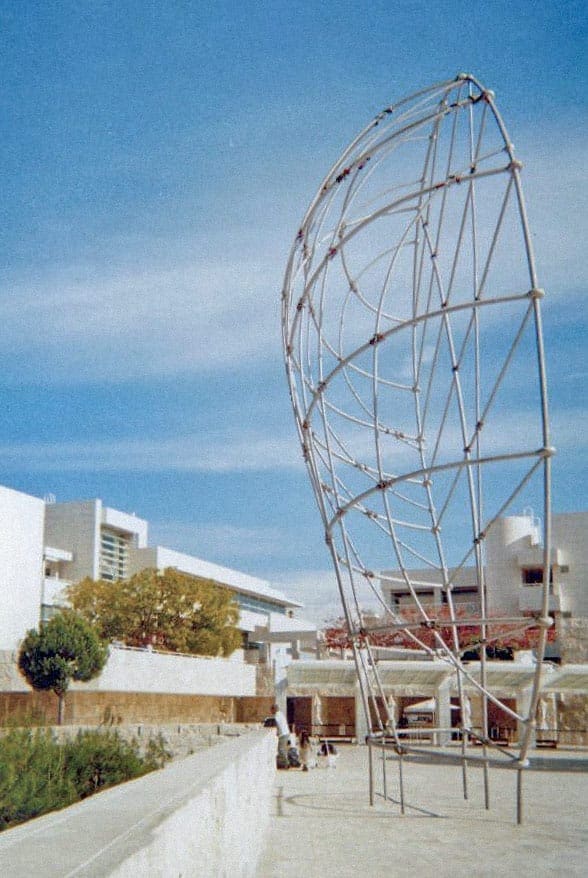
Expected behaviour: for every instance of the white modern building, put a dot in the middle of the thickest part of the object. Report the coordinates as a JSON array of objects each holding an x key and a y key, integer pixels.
[
  {"x": 97, "y": 537},
  {"x": 515, "y": 565},
  {"x": 514, "y": 572},
  {"x": 46, "y": 546},
  {"x": 21, "y": 564},
  {"x": 324, "y": 695}
]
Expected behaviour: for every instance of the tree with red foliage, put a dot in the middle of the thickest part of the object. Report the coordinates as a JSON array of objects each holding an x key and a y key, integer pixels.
[{"x": 500, "y": 636}]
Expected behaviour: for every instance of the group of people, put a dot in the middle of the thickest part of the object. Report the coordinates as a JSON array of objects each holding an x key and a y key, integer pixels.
[{"x": 304, "y": 752}]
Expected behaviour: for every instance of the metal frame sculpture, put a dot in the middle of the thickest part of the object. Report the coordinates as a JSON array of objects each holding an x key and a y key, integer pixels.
[{"x": 413, "y": 346}]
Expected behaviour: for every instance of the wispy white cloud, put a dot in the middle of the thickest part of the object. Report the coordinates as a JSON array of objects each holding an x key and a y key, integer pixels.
[
  {"x": 82, "y": 324},
  {"x": 557, "y": 196},
  {"x": 219, "y": 452},
  {"x": 509, "y": 430},
  {"x": 214, "y": 453},
  {"x": 121, "y": 315},
  {"x": 221, "y": 541},
  {"x": 318, "y": 591}
]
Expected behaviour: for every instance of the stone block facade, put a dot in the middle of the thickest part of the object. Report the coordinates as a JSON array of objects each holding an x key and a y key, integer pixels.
[{"x": 124, "y": 708}]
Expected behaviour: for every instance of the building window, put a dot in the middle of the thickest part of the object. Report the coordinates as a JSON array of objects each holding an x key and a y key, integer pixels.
[
  {"x": 404, "y": 598},
  {"x": 255, "y": 605},
  {"x": 534, "y": 575},
  {"x": 114, "y": 549}
]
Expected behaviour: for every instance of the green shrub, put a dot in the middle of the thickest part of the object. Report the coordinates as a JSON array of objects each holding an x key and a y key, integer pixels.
[
  {"x": 95, "y": 760},
  {"x": 32, "y": 777},
  {"x": 156, "y": 753},
  {"x": 38, "y": 774}
]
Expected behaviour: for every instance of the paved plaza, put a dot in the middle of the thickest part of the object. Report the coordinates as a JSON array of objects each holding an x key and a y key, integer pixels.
[{"x": 323, "y": 824}]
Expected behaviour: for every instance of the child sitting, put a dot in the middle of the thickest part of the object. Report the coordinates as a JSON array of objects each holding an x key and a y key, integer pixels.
[
  {"x": 307, "y": 757},
  {"x": 327, "y": 755}
]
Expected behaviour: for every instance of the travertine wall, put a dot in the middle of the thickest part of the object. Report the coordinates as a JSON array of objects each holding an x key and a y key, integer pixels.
[
  {"x": 572, "y": 709},
  {"x": 253, "y": 710},
  {"x": 206, "y": 815},
  {"x": 573, "y": 636},
  {"x": 141, "y": 671},
  {"x": 115, "y": 708},
  {"x": 124, "y": 708}
]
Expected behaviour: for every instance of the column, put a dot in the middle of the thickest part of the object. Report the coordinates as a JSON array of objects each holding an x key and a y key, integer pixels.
[{"x": 443, "y": 712}]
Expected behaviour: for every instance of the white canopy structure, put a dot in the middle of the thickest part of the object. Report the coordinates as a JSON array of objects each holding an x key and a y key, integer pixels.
[{"x": 426, "y": 677}]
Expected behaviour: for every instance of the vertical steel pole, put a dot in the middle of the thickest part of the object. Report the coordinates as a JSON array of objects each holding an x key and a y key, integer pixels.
[
  {"x": 401, "y": 783},
  {"x": 464, "y": 773},
  {"x": 519, "y": 796},
  {"x": 385, "y": 785},
  {"x": 486, "y": 778},
  {"x": 371, "y": 770}
]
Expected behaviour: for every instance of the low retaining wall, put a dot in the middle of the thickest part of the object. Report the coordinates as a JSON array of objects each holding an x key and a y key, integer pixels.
[
  {"x": 179, "y": 740},
  {"x": 206, "y": 815},
  {"x": 142, "y": 670},
  {"x": 138, "y": 670},
  {"x": 114, "y": 708},
  {"x": 124, "y": 708}
]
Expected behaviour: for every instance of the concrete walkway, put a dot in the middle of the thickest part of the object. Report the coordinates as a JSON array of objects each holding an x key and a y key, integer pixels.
[{"x": 324, "y": 826}]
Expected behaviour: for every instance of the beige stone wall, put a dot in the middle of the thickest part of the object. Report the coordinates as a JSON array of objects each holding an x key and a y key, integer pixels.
[
  {"x": 572, "y": 720},
  {"x": 115, "y": 708},
  {"x": 253, "y": 709},
  {"x": 573, "y": 636},
  {"x": 572, "y": 709},
  {"x": 126, "y": 708},
  {"x": 264, "y": 680},
  {"x": 179, "y": 740},
  {"x": 28, "y": 708}
]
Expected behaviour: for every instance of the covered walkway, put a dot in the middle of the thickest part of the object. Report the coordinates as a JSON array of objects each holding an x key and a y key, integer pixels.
[
  {"x": 404, "y": 682},
  {"x": 323, "y": 825}
]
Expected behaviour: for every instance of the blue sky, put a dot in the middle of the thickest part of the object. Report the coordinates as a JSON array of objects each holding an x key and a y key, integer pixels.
[{"x": 157, "y": 160}]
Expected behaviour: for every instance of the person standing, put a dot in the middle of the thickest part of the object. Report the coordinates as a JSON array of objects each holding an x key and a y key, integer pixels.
[{"x": 283, "y": 732}]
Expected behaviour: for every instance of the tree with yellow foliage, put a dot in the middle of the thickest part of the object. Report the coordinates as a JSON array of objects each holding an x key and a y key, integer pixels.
[{"x": 166, "y": 610}]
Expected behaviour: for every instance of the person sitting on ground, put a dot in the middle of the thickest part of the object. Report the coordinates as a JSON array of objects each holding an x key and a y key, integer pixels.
[
  {"x": 306, "y": 751},
  {"x": 293, "y": 752},
  {"x": 327, "y": 755}
]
